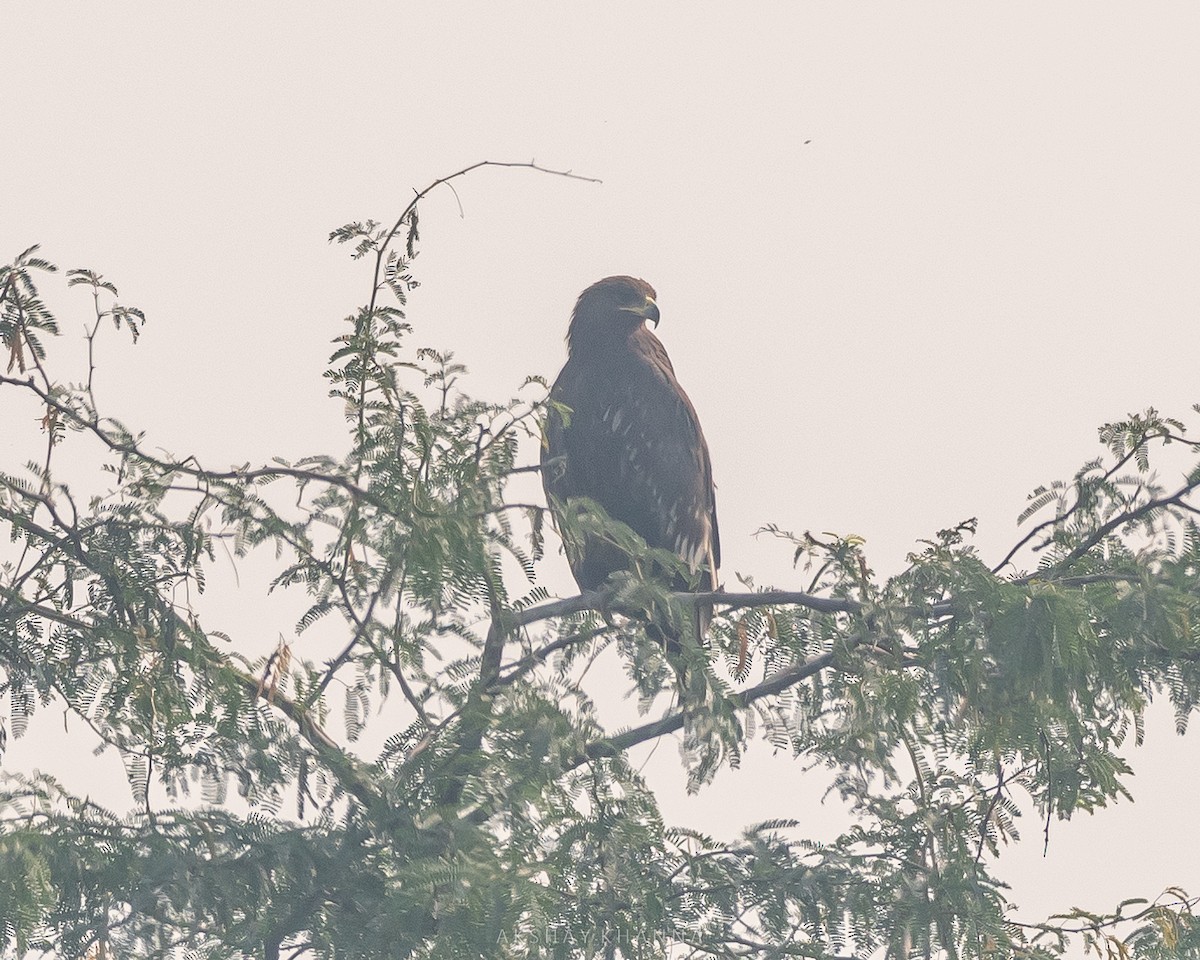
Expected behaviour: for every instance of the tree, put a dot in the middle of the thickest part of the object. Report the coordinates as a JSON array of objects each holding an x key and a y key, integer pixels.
[{"x": 499, "y": 818}]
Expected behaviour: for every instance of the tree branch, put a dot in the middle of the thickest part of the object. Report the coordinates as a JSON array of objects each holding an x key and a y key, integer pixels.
[
  {"x": 1060, "y": 518},
  {"x": 420, "y": 195},
  {"x": 349, "y": 770},
  {"x": 611, "y": 746},
  {"x": 181, "y": 466},
  {"x": 598, "y": 600},
  {"x": 1129, "y": 516}
]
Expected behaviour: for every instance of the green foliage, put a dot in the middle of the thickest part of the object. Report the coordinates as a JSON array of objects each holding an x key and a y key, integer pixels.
[
  {"x": 500, "y": 818},
  {"x": 24, "y": 318}
]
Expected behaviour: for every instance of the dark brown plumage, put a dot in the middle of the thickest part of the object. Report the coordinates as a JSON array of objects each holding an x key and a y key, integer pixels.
[{"x": 631, "y": 442}]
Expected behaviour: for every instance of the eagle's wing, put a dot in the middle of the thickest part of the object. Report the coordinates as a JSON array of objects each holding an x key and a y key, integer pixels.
[{"x": 668, "y": 459}]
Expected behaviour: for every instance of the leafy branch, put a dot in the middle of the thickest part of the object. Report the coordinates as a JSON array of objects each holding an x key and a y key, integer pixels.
[{"x": 501, "y": 816}]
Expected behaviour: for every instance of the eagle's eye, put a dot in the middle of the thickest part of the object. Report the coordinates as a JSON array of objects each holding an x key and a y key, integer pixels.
[{"x": 641, "y": 305}]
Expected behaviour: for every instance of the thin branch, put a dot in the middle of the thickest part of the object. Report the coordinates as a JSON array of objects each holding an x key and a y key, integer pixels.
[
  {"x": 181, "y": 466},
  {"x": 1060, "y": 518},
  {"x": 520, "y": 668},
  {"x": 361, "y": 626},
  {"x": 507, "y": 506},
  {"x": 91, "y": 345},
  {"x": 420, "y": 195},
  {"x": 1002, "y": 781},
  {"x": 611, "y": 746},
  {"x": 919, "y": 778},
  {"x": 357, "y": 780},
  {"x": 409, "y": 694},
  {"x": 588, "y": 600},
  {"x": 598, "y": 600},
  {"x": 532, "y": 468},
  {"x": 498, "y": 631},
  {"x": 771, "y": 598},
  {"x": 1110, "y": 921},
  {"x": 1129, "y": 516}
]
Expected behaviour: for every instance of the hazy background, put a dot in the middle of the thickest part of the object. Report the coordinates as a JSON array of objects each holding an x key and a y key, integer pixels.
[{"x": 909, "y": 257}]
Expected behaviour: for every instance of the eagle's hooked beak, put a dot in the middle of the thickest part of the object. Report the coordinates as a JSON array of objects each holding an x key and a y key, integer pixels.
[{"x": 647, "y": 311}]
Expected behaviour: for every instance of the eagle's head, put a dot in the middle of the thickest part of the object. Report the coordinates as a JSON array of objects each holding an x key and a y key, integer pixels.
[{"x": 610, "y": 310}]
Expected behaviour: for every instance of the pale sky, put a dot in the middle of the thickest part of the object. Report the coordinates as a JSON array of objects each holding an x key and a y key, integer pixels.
[{"x": 908, "y": 255}]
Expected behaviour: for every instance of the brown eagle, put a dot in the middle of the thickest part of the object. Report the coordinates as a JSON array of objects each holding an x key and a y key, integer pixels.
[{"x": 631, "y": 441}]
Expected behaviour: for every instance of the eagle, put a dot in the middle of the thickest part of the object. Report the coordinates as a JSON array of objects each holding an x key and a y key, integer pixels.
[{"x": 621, "y": 431}]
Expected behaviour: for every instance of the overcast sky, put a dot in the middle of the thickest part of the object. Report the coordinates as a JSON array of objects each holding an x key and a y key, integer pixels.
[{"x": 908, "y": 255}]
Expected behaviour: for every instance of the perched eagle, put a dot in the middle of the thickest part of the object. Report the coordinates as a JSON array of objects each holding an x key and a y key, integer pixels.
[{"x": 631, "y": 440}]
